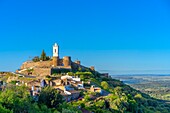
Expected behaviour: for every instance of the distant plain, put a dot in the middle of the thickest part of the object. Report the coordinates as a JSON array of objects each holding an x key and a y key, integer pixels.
[{"x": 156, "y": 85}]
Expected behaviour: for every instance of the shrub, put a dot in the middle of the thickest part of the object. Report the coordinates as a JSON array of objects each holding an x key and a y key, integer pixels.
[{"x": 105, "y": 85}]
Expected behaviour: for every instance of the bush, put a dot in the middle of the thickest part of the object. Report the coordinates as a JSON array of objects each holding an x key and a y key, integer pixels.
[
  {"x": 36, "y": 59},
  {"x": 105, "y": 85},
  {"x": 70, "y": 73},
  {"x": 14, "y": 82},
  {"x": 105, "y": 79}
]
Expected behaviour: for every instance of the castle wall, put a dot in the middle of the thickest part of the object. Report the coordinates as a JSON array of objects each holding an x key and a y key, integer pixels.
[
  {"x": 42, "y": 71},
  {"x": 55, "y": 65},
  {"x": 41, "y": 64},
  {"x": 44, "y": 68},
  {"x": 76, "y": 66}
]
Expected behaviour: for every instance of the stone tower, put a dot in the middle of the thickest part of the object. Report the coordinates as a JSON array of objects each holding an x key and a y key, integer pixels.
[
  {"x": 67, "y": 61},
  {"x": 55, "y": 55}
]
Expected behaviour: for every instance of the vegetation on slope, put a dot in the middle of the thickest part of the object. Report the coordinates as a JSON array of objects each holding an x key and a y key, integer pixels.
[
  {"x": 157, "y": 86},
  {"x": 122, "y": 99}
]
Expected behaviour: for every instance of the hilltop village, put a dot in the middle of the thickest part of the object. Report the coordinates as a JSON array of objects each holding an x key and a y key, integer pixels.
[
  {"x": 62, "y": 74},
  {"x": 59, "y": 85}
]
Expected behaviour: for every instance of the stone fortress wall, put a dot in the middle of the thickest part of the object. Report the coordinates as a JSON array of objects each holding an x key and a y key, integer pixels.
[
  {"x": 41, "y": 64},
  {"x": 42, "y": 71},
  {"x": 43, "y": 68},
  {"x": 55, "y": 62}
]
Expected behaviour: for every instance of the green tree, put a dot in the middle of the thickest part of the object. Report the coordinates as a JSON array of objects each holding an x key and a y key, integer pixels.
[
  {"x": 48, "y": 58},
  {"x": 36, "y": 59},
  {"x": 105, "y": 85},
  {"x": 4, "y": 110},
  {"x": 16, "y": 99},
  {"x": 43, "y": 56},
  {"x": 132, "y": 105},
  {"x": 69, "y": 108},
  {"x": 71, "y": 74},
  {"x": 80, "y": 69},
  {"x": 50, "y": 97},
  {"x": 82, "y": 77},
  {"x": 118, "y": 91}
]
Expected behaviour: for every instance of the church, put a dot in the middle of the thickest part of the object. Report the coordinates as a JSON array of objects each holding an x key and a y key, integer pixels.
[{"x": 53, "y": 66}]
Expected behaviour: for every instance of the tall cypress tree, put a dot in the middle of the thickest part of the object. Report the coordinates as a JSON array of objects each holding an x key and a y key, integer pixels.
[{"x": 43, "y": 56}]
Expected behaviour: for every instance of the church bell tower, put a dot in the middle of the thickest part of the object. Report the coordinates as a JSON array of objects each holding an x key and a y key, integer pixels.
[
  {"x": 55, "y": 50},
  {"x": 55, "y": 55}
]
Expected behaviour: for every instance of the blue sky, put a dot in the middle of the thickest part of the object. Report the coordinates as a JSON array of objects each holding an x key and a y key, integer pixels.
[{"x": 116, "y": 36}]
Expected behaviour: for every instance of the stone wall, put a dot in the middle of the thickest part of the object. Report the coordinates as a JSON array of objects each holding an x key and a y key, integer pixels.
[
  {"x": 41, "y": 64},
  {"x": 42, "y": 71},
  {"x": 43, "y": 68},
  {"x": 76, "y": 66}
]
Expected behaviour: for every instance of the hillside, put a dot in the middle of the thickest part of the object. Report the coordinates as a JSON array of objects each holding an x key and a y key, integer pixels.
[
  {"x": 120, "y": 98},
  {"x": 155, "y": 85}
]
